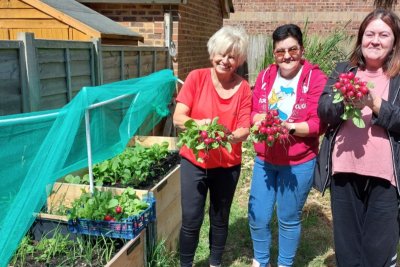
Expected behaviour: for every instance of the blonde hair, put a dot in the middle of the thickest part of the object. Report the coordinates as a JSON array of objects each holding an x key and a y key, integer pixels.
[{"x": 229, "y": 39}]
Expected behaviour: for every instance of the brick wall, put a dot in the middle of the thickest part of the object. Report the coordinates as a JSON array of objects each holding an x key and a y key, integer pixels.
[
  {"x": 263, "y": 16},
  {"x": 198, "y": 21},
  {"x": 193, "y": 25},
  {"x": 148, "y": 20}
]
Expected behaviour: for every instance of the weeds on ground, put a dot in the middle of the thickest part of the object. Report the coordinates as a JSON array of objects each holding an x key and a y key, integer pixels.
[{"x": 159, "y": 256}]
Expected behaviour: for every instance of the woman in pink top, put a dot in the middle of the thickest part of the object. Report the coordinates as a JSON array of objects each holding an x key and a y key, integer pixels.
[
  {"x": 362, "y": 164},
  {"x": 208, "y": 93}
]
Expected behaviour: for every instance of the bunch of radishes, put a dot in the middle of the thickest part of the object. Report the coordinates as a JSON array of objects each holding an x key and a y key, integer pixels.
[
  {"x": 351, "y": 90},
  {"x": 203, "y": 138},
  {"x": 269, "y": 130}
]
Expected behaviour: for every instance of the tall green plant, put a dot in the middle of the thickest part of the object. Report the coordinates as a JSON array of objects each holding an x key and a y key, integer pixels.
[
  {"x": 325, "y": 51},
  {"x": 159, "y": 256}
]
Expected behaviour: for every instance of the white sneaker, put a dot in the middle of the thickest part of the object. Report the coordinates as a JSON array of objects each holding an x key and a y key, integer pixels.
[{"x": 255, "y": 263}]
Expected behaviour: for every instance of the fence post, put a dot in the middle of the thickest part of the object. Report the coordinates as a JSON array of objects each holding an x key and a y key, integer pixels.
[
  {"x": 168, "y": 28},
  {"x": 97, "y": 62},
  {"x": 32, "y": 72}
]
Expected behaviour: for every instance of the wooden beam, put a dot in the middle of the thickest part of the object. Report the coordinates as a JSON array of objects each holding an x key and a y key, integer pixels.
[
  {"x": 9, "y": 13},
  {"x": 30, "y": 24},
  {"x": 165, "y": 2},
  {"x": 55, "y": 13},
  {"x": 118, "y": 42},
  {"x": 13, "y": 4}
]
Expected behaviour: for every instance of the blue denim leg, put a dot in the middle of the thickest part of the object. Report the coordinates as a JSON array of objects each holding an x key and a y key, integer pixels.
[
  {"x": 294, "y": 184},
  {"x": 261, "y": 207},
  {"x": 287, "y": 187}
]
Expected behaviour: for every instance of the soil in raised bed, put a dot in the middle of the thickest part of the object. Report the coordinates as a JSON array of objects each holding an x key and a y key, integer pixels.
[{"x": 160, "y": 170}]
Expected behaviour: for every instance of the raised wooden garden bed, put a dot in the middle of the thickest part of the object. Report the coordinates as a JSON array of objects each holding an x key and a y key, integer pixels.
[
  {"x": 166, "y": 193},
  {"x": 133, "y": 253}
]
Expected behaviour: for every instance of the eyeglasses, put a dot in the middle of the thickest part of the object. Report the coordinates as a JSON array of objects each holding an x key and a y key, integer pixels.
[{"x": 293, "y": 51}]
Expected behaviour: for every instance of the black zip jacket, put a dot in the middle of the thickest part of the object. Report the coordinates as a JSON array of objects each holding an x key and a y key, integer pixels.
[{"x": 329, "y": 113}]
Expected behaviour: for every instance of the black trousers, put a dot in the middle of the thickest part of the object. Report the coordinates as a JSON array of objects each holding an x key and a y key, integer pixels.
[
  {"x": 365, "y": 221},
  {"x": 195, "y": 184}
]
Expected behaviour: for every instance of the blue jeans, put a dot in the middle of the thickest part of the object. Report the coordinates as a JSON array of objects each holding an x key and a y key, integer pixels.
[{"x": 287, "y": 188}]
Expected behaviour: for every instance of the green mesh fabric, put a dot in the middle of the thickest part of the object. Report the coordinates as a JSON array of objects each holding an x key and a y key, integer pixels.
[{"x": 40, "y": 147}]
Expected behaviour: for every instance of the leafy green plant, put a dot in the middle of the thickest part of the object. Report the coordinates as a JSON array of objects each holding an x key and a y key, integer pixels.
[
  {"x": 133, "y": 167},
  {"x": 103, "y": 205},
  {"x": 204, "y": 138},
  {"x": 75, "y": 179},
  {"x": 60, "y": 251},
  {"x": 49, "y": 248}
]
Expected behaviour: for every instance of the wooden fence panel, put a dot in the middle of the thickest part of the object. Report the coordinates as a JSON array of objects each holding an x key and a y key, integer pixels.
[
  {"x": 255, "y": 55},
  {"x": 146, "y": 63},
  {"x": 11, "y": 82},
  {"x": 132, "y": 64},
  {"x": 125, "y": 62},
  {"x": 161, "y": 60},
  {"x": 111, "y": 66},
  {"x": 57, "y": 70},
  {"x": 63, "y": 60}
]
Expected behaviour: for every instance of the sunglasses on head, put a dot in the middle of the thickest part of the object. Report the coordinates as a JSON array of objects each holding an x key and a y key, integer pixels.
[{"x": 293, "y": 51}]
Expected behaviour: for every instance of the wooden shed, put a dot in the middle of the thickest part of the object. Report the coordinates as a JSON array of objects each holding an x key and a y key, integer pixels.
[{"x": 61, "y": 20}]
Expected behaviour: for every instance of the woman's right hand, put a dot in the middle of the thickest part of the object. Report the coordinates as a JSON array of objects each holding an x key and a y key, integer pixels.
[
  {"x": 203, "y": 122},
  {"x": 258, "y": 118}
]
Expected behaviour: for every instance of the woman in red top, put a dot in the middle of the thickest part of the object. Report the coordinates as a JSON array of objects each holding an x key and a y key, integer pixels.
[{"x": 208, "y": 93}]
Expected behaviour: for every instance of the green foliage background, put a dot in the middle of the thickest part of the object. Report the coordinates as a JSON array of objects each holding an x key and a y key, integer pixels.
[{"x": 325, "y": 51}]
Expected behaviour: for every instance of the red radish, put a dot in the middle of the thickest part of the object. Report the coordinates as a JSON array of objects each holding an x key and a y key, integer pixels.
[
  {"x": 118, "y": 209},
  {"x": 204, "y": 134},
  {"x": 270, "y": 129},
  {"x": 108, "y": 218},
  {"x": 350, "y": 89},
  {"x": 208, "y": 140}
]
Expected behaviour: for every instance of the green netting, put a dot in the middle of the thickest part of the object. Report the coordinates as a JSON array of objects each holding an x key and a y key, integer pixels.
[{"x": 40, "y": 147}]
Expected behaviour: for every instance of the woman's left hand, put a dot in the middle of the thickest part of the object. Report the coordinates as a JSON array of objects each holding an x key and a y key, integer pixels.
[
  {"x": 258, "y": 118},
  {"x": 371, "y": 100},
  {"x": 239, "y": 135}
]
